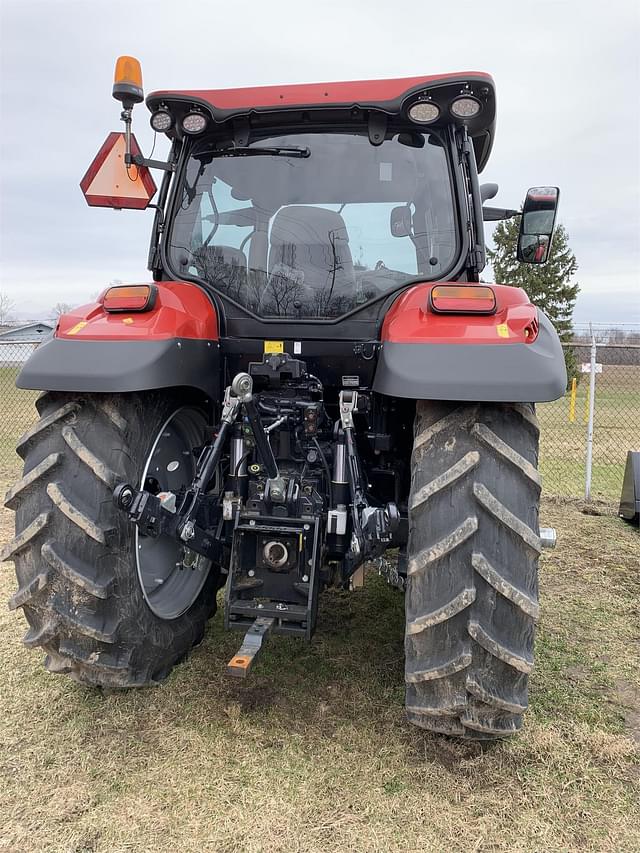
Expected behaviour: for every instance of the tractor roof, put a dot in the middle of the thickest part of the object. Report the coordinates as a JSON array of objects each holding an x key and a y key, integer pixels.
[{"x": 391, "y": 97}]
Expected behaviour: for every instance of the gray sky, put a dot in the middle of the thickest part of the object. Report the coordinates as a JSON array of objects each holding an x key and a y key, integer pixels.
[{"x": 567, "y": 76}]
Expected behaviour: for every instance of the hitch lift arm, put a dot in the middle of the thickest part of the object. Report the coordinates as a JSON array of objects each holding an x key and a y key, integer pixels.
[{"x": 373, "y": 526}]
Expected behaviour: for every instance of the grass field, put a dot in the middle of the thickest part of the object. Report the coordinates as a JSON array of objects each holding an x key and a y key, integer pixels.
[
  {"x": 616, "y": 431},
  {"x": 312, "y": 753}
]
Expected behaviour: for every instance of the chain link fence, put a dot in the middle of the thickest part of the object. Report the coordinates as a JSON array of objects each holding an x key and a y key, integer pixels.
[
  {"x": 564, "y": 423},
  {"x": 17, "y": 408}
]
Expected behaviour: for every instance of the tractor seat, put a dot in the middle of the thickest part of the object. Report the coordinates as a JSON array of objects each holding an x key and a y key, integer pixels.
[{"x": 309, "y": 260}]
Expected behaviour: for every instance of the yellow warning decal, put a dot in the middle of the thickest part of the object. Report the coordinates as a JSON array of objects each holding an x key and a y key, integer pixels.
[
  {"x": 273, "y": 346},
  {"x": 503, "y": 330},
  {"x": 128, "y": 321},
  {"x": 77, "y": 327}
]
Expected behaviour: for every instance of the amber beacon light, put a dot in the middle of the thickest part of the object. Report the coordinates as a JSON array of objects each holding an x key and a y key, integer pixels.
[{"x": 127, "y": 81}]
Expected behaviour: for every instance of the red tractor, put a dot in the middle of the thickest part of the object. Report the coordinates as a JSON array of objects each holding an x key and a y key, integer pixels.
[{"x": 314, "y": 377}]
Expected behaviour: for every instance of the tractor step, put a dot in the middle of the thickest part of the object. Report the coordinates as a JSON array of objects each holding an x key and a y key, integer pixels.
[{"x": 242, "y": 661}]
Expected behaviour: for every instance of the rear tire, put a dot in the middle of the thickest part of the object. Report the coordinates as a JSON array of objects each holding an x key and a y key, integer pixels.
[
  {"x": 472, "y": 584},
  {"x": 75, "y": 553}
]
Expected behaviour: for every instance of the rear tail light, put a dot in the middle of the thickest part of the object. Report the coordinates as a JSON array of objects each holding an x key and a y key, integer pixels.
[
  {"x": 462, "y": 299},
  {"x": 136, "y": 297},
  {"x": 531, "y": 331}
]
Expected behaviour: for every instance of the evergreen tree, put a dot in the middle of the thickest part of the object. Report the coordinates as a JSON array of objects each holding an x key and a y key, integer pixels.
[{"x": 548, "y": 285}]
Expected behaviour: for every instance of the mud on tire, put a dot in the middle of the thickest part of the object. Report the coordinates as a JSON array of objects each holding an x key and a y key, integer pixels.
[
  {"x": 74, "y": 553},
  {"x": 472, "y": 586}
]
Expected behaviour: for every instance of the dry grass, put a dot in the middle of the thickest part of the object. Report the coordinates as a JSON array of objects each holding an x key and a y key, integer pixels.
[{"x": 313, "y": 754}]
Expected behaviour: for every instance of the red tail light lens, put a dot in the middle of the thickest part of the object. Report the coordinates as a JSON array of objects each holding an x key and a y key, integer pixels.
[
  {"x": 136, "y": 297},
  {"x": 462, "y": 299},
  {"x": 531, "y": 331}
]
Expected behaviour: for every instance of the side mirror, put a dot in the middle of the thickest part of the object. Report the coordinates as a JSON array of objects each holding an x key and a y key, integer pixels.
[
  {"x": 400, "y": 221},
  {"x": 537, "y": 223}
]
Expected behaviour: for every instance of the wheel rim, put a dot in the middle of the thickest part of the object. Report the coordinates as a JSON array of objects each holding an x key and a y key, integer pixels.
[{"x": 170, "y": 590}]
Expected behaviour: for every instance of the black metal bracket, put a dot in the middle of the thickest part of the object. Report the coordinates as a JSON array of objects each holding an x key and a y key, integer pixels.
[
  {"x": 141, "y": 160},
  {"x": 290, "y": 596},
  {"x": 241, "y": 131},
  {"x": 152, "y": 518},
  {"x": 377, "y": 127}
]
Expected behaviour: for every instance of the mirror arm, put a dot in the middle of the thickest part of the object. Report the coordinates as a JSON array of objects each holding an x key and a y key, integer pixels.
[{"x": 494, "y": 214}]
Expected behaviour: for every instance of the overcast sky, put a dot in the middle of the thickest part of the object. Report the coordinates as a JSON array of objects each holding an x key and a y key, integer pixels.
[{"x": 567, "y": 76}]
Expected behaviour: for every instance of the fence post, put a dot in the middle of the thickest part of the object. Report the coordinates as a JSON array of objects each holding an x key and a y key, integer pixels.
[
  {"x": 572, "y": 403},
  {"x": 592, "y": 400}
]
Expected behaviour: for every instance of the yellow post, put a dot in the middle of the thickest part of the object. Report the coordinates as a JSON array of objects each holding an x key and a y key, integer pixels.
[
  {"x": 572, "y": 402},
  {"x": 586, "y": 405}
]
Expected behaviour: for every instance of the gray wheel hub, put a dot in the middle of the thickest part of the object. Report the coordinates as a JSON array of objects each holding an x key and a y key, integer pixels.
[{"x": 171, "y": 576}]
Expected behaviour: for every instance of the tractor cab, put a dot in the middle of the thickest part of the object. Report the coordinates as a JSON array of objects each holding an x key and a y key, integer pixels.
[{"x": 318, "y": 202}]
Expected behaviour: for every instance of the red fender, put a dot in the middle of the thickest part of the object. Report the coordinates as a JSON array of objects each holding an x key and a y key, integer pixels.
[
  {"x": 410, "y": 320},
  {"x": 181, "y": 310}
]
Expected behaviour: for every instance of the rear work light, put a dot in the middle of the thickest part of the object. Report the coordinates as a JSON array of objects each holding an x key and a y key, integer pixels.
[
  {"x": 462, "y": 299},
  {"x": 465, "y": 107},
  {"x": 194, "y": 123},
  {"x": 135, "y": 297},
  {"x": 424, "y": 112},
  {"x": 161, "y": 121}
]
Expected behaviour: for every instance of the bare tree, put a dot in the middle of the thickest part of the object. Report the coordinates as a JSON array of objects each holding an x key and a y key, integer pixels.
[
  {"x": 60, "y": 308},
  {"x": 7, "y": 306}
]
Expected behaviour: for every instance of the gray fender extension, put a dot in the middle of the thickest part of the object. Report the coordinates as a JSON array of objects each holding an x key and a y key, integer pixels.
[
  {"x": 120, "y": 366},
  {"x": 500, "y": 373}
]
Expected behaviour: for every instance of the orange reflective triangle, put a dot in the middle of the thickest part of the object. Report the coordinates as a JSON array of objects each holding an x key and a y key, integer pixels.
[{"x": 108, "y": 182}]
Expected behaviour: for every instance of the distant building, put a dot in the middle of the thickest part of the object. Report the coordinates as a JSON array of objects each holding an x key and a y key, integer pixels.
[{"x": 18, "y": 342}]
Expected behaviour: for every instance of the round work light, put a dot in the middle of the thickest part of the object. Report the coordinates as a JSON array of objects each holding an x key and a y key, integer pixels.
[
  {"x": 161, "y": 121},
  {"x": 194, "y": 123},
  {"x": 424, "y": 112},
  {"x": 465, "y": 107}
]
